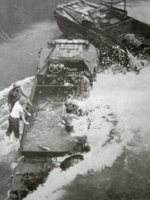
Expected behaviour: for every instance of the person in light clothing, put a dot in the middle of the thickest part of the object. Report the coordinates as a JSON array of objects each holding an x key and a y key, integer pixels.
[
  {"x": 16, "y": 114},
  {"x": 68, "y": 120}
]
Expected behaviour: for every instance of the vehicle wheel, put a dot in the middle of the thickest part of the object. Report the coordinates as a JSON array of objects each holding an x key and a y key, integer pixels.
[{"x": 71, "y": 161}]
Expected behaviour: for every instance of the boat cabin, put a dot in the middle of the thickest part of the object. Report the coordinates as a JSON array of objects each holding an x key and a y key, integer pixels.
[
  {"x": 104, "y": 24},
  {"x": 65, "y": 63}
]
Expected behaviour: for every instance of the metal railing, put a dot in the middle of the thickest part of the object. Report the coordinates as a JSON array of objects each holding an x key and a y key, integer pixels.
[{"x": 113, "y": 2}]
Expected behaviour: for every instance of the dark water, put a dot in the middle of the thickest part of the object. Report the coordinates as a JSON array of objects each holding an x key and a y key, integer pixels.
[
  {"x": 129, "y": 177},
  {"x": 6, "y": 172},
  {"x": 16, "y": 15}
]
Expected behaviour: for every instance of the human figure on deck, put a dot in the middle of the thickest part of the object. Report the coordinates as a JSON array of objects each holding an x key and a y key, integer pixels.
[
  {"x": 17, "y": 113},
  {"x": 85, "y": 86},
  {"x": 68, "y": 120},
  {"x": 72, "y": 104},
  {"x": 14, "y": 95}
]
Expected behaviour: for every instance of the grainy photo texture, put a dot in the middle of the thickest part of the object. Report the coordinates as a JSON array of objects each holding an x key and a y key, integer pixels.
[{"x": 74, "y": 99}]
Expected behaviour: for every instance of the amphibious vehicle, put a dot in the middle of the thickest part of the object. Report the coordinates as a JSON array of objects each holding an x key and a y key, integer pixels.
[
  {"x": 61, "y": 66},
  {"x": 106, "y": 25}
]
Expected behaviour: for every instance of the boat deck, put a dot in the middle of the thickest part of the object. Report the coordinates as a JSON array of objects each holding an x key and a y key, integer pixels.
[{"x": 45, "y": 135}]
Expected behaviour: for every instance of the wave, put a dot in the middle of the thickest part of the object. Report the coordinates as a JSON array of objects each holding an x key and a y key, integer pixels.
[
  {"x": 114, "y": 104},
  {"x": 9, "y": 144}
]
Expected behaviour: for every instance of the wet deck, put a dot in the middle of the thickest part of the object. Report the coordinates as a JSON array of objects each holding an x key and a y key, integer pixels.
[{"x": 45, "y": 135}]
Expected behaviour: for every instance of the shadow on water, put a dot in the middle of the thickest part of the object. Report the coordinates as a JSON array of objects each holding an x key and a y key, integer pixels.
[
  {"x": 6, "y": 173},
  {"x": 127, "y": 179},
  {"x": 5, "y": 178}
]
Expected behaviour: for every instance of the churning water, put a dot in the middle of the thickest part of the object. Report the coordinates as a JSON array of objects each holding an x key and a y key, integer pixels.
[
  {"x": 118, "y": 169},
  {"x": 120, "y": 103}
]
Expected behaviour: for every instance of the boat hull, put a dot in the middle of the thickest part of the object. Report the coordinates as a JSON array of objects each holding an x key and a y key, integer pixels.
[
  {"x": 46, "y": 137},
  {"x": 112, "y": 49},
  {"x": 116, "y": 30},
  {"x": 69, "y": 28}
]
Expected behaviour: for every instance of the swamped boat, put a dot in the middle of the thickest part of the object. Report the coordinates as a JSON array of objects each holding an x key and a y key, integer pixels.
[
  {"x": 62, "y": 65},
  {"x": 105, "y": 25}
]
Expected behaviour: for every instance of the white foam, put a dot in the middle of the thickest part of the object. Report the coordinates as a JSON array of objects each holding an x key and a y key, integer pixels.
[
  {"x": 121, "y": 98},
  {"x": 8, "y": 144},
  {"x": 22, "y": 83}
]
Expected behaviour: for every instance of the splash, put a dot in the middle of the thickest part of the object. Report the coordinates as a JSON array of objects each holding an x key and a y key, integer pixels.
[
  {"x": 9, "y": 144},
  {"x": 114, "y": 103}
]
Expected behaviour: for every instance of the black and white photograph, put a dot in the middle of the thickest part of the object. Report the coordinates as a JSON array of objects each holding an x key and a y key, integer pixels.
[{"x": 74, "y": 99}]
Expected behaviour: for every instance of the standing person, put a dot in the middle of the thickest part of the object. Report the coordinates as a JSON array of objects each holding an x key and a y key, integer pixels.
[
  {"x": 14, "y": 95},
  {"x": 85, "y": 86},
  {"x": 69, "y": 102},
  {"x": 14, "y": 118},
  {"x": 68, "y": 120}
]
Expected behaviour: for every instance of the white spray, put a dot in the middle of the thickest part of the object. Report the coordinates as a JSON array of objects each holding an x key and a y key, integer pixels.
[
  {"x": 115, "y": 103},
  {"x": 9, "y": 144}
]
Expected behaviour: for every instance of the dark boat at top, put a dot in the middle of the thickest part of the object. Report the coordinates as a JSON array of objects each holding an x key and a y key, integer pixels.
[{"x": 105, "y": 25}]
